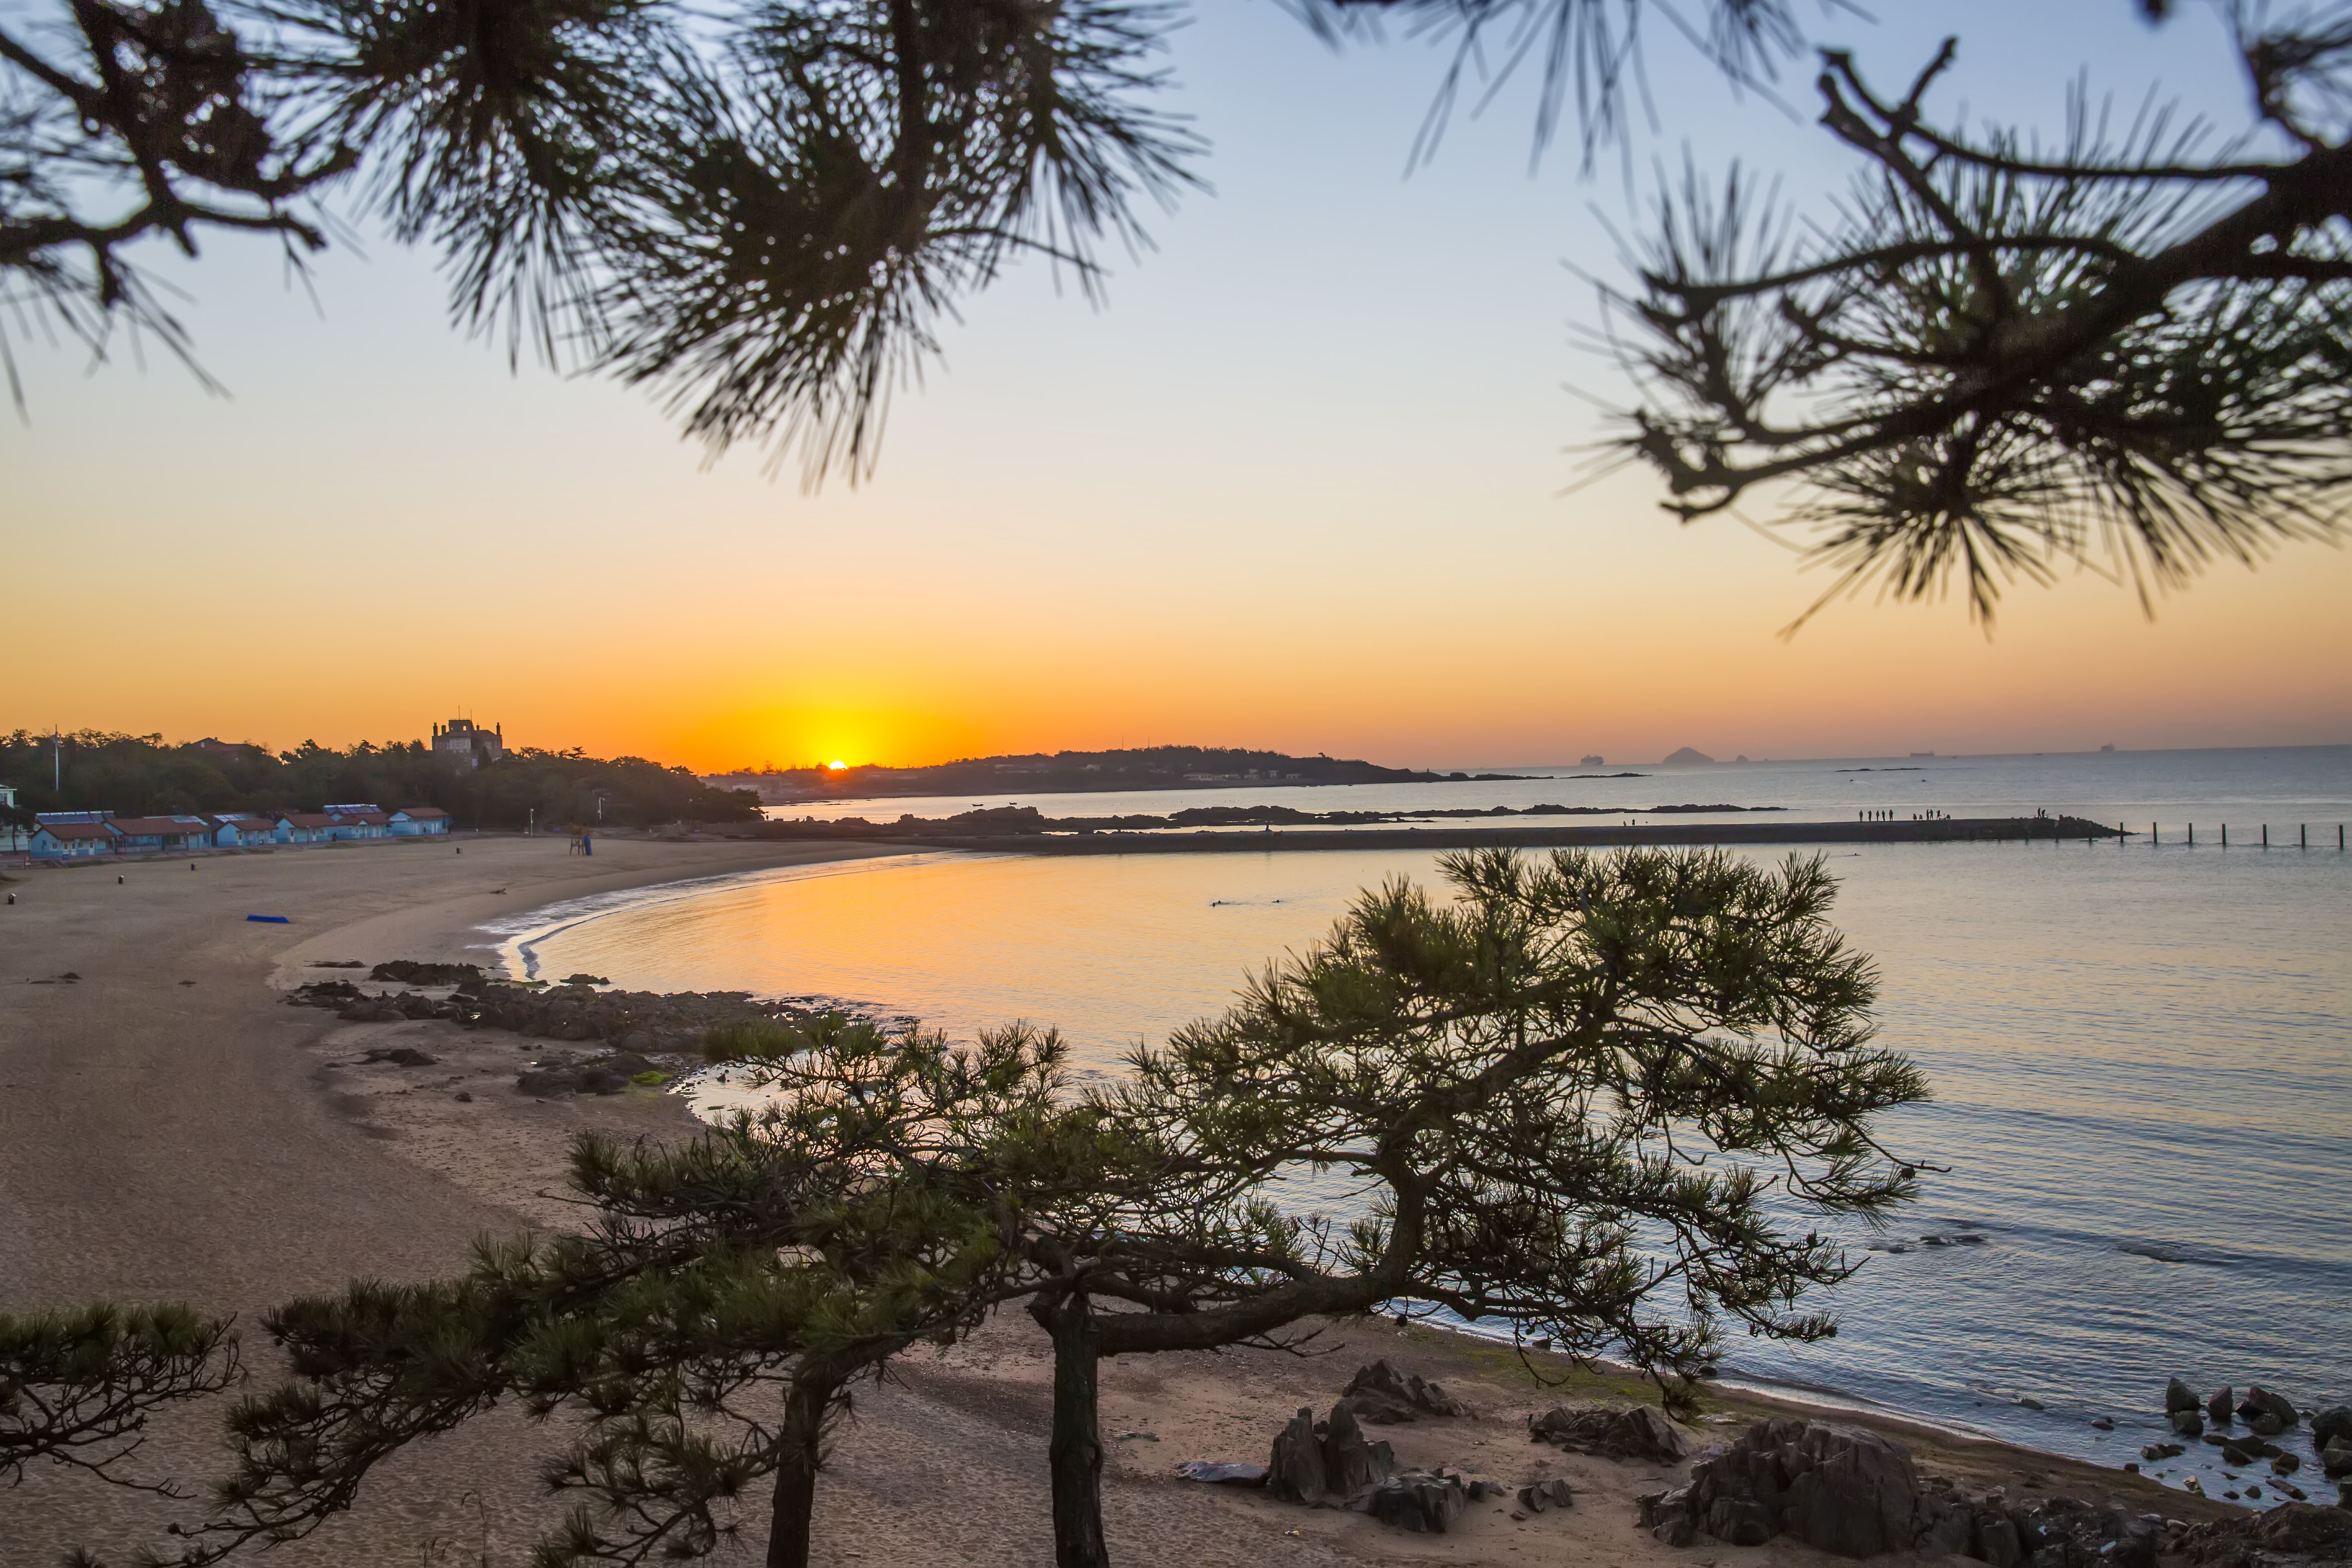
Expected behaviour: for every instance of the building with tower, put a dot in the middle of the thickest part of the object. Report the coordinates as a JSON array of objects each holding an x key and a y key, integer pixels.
[{"x": 462, "y": 739}]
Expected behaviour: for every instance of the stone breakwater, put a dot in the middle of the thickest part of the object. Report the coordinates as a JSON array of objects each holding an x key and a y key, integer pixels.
[{"x": 1937, "y": 830}]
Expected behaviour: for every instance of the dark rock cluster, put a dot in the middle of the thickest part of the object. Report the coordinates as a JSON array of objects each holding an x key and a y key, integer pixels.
[
  {"x": 558, "y": 1081},
  {"x": 409, "y": 972},
  {"x": 643, "y": 1021},
  {"x": 1331, "y": 1464},
  {"x": 1614, "y": 1432},
  {"x": 1327, "y": 1462},
  {"x": 1383, "y": 1395},
  {"x": 1854, "y": 1493},
  {"x": 2266, "y": 1415},
  {"x": 401, "y": 1057},
  {"x": 1839, "y": 1488},
  {"x": 2292, "y": 1535}
]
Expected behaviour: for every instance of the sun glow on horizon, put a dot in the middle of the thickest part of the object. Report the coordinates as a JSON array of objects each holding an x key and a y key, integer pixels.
[{"x": 837, "y": 766}]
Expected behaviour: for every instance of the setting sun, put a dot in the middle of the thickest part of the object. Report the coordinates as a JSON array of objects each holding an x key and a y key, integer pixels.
[{"x": 837, "y": 765}]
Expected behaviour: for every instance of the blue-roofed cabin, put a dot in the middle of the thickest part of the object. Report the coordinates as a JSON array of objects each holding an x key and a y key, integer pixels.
[
  {"x": 72, "y": 840},
  {"x": 420, "y": 822}
]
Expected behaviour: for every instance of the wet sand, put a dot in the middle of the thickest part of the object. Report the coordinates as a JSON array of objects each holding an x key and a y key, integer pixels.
[{"x": 169, "y": 1129}]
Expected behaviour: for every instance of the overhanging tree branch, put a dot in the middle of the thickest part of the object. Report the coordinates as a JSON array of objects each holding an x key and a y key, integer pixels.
[{"x": 1996, "y": 362}]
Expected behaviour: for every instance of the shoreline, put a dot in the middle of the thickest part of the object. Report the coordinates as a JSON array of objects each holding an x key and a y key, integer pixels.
[{"x": 169, "y": 1129}]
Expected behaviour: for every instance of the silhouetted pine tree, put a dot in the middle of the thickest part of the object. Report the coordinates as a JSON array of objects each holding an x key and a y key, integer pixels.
[
  {"x": 1595, "y": 1098},
  {"x": 710, "y": 1326}
]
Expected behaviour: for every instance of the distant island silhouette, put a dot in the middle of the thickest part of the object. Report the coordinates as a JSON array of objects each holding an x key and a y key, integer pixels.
[{"x": 1069, "y": 773}]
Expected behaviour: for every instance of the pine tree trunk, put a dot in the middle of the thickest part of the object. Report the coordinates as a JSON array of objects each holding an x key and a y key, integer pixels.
[
  {"x": 800, "y": 1441},
  {"x": 1076, "y": 1451}
]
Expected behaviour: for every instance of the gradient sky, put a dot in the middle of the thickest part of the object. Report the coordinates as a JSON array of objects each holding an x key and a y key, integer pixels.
[{"x": 1298, "y": 485}]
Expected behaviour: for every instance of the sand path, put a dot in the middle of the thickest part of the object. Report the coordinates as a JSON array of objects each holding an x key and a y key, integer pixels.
[{"x": 161, "y": 1139}]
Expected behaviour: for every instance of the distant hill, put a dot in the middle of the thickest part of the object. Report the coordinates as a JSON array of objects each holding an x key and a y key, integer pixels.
[
  {"x": 1688, "y": 754},
  {"x": 1142, "y": 768}
]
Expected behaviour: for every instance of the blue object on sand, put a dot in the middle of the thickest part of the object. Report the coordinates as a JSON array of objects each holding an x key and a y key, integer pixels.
[{"x": 270, "y": 920}]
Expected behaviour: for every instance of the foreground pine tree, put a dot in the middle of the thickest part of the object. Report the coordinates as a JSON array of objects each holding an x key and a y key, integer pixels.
[
  {"x": 1598, "y": 1098},
  {"x": 706, "y": 1331}
]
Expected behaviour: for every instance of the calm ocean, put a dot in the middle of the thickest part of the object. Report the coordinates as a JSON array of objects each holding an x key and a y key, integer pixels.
[{"x": 2142, "y": 1053}]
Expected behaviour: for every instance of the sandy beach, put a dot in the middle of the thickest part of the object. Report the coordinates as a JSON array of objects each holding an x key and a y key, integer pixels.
[{"x": 170, "y": 1129}]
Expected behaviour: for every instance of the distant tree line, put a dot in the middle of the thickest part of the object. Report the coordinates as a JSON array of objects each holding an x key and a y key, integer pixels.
[{"x": 139, "y": 775}]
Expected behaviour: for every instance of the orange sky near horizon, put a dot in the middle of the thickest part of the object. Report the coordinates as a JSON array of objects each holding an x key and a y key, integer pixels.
[
  {"x": 1472, "y": 664},
  {"x": 1302, "y": 483}
]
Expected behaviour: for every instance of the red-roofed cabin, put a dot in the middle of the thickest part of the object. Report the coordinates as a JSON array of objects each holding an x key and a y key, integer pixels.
[
  {"x": 243, "y": 830},
  {"x": 420, "y": 822},
  {"x": 305, "y": 826}
]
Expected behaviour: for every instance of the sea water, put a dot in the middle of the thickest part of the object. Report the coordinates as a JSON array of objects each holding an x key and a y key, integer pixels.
[{"x": 2141, "y": 1053}]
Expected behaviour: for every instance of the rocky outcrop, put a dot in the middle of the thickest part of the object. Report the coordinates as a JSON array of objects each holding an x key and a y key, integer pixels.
[
  {"x": 1641, "y": 1432},
  {"x": 2268, "y": 1413},
  {"x": 1419, "y": 1501},
  {"x": 643, "y": 1021},
  {"x": 1537, "y": 1496},
  {"x": 2290, "y": 1536},
  {"x": 400, "y": 1057},
  {"x": 548, "y": 1083},
  {"x": 1383, "y": 1395},
  {"x": 1851, "y": 1492},
  {"x": 409, "y": 972},
  {"x": 2179, "y": 1396},
  {"x": 1331, "y": 1464},
  {"x": 1838, "y": 1489},
  {"x": 2330, "y": 1424},
  {"x": 1325, "y": 1463}
]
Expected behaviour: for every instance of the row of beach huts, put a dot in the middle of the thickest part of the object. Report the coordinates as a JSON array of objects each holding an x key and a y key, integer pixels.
[{"x": 67, "y": 835}]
